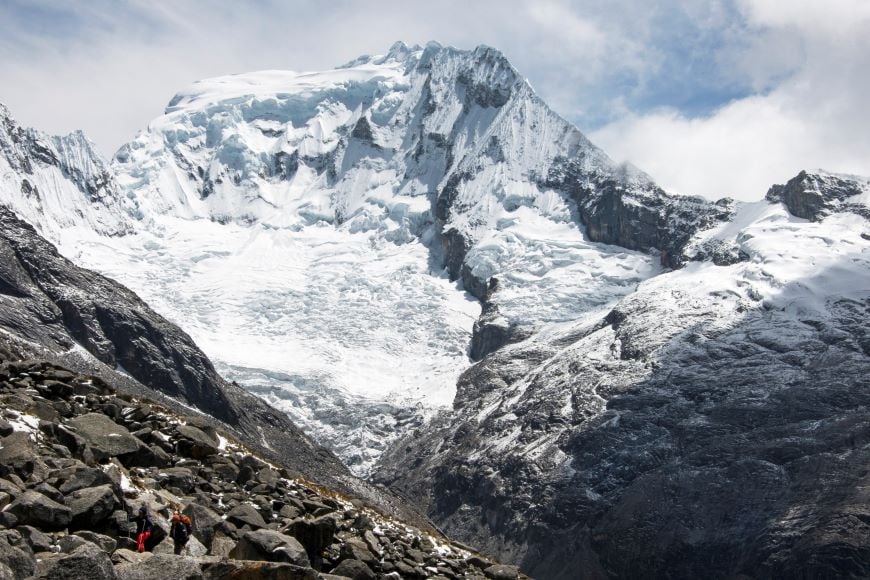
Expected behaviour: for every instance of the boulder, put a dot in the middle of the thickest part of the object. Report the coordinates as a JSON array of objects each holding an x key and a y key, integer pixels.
[
  {"x": 5, "y": 428},
  {"x": 105, "y": 438},
  {"x": 254, "y": 570},
  {"x": 37, "y": 541},
  {"x": 20, "y": 563},
  {"x": 125, "y": 556},
  {"x": 106, "y": 543},
  {"x": 203, "y": 522},
  {"x": 314, "y": 534},
  {"x": 34, "y": 509},
  {"x": 222, "y": 545},
  {"x": 147, "y": 456},
  {"x": 8, "y": 487},
  {"x": 17, "y": 455},
  {"x": 180, "y": 478},
  {"x": 86, "y": 561},
  {"x": 355, "y": 549},
  {"x": 246, "y": 514},
  {"x": 79, "y": 477},
  {"x": 354, "y": 569},
  {"x": 68, "y": 544},
  {"x": 48, "y": 491},
  {"x": 160, "y": 567},
  {"x": 271, "y": 546},
  {"x": 195, "y": 443},
  {"x": 91, "y": 507}
]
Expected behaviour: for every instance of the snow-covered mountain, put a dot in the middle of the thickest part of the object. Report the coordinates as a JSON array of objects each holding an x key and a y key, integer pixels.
[
  {"x": 307, "y": 230},
  {"x": 665, "y": 383},
  {"x": 60, "y": 182}
]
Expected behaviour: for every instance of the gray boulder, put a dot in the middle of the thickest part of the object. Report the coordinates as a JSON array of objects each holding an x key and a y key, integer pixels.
[
  {"x": 69, "y": 544},
  {"x": 253, "y": 570},
  {"x": 86, "y": 561},
  {"x": 203, "y": 522},
  {"x": 90, "y": 507},
  {"x": 17, "y": 456},
  {"x": 160, "y": 567},
  {"x": 195, "y": 443},
  {"x": 271, "y": 546},
  {"x": 106, "y": 543},
  {"x": 181, "y": 478},
  {"x": 355, "y": 549},
  {"x": 354, "y": 569},
  {"x": 246, "y": 514},
  {"x": 314, "y": 534},
  {"x": 37, "y": 541},
  {"x": 502, "y": 572},
  {"x": 79, "y": 477},
  {"x": 105, "y": 437},
  {"x": 18, "y": 561},
  {"x": 125, "y": 556},
  {"x": 34, "y": 509}
]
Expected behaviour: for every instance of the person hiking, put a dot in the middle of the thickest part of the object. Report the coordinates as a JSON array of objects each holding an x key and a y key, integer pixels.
[
  {"x": 179, "y": 531},
  {"x": 144, "y": 527}
]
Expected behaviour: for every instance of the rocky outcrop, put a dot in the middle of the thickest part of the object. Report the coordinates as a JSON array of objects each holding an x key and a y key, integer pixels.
[
  {"x": 64, "y": 520},
  {"x": 813, "y": 195}
]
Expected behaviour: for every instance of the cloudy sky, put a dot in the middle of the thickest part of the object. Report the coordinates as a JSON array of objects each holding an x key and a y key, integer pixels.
[{"x": 711, "y": 97}]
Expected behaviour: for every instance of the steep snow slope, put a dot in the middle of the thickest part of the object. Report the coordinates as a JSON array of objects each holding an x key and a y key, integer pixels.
[{"x": 298, "y": 225}]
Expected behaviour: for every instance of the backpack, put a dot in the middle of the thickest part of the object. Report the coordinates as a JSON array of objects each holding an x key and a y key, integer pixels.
[{"x": 181, "y": 531}]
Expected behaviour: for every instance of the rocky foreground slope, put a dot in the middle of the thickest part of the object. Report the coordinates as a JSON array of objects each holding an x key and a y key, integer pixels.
[
  {"x": 77, "y": 459},
  {"x": 56, "y": 311}
]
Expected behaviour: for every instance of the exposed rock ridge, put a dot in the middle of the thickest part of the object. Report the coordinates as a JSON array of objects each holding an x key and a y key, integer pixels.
[{"x": 813, "y": 195}]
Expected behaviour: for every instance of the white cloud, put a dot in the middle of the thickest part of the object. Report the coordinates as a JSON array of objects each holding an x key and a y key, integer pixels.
[{"x": 816, "y": 118}]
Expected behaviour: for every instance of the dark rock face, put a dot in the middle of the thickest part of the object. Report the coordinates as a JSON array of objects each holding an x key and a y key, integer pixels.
[
  {"x": 741, "y": 452},
  {"x": 812, "y": 196},
  {"x": 491, "y": 331},
  {"x": 631, "y": 211},
  {"x": 109, "y": 320}
]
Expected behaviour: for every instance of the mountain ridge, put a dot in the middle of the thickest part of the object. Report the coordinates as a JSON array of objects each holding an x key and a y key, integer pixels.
[{"x": 634, "y": 348}]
